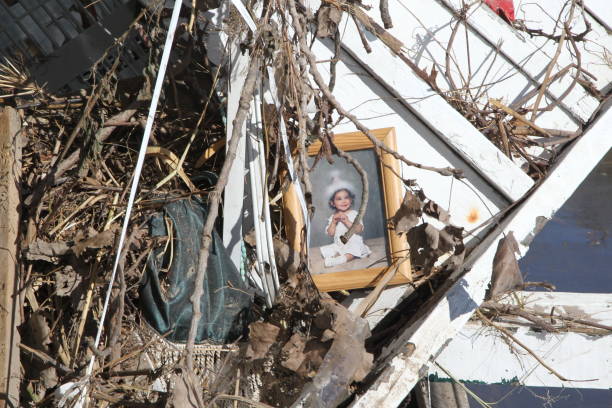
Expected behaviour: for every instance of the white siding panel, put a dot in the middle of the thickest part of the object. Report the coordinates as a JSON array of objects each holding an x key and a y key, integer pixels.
[
  {"x": 449, "y": 315},
  {"x": 575, "y": 356},
  {"x": 531, "y": 55}
]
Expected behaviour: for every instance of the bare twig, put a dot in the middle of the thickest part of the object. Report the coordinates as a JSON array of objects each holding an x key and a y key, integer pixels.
[
  {"x": 517, "y": 311},
  {"x": 518, "y": 116},
  {"x": 552, "y": 63},
  {"x": 384, "y": 14},
  {"x": 527, "y": 349},
  {"x": 362, "y": 37}
]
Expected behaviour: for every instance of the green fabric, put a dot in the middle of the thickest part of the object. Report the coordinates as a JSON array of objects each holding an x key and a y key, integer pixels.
[{"x": 226, "y": 300}]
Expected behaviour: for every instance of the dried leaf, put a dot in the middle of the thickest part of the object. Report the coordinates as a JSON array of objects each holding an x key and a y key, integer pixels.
[
  {"x": 40, "y": 250},
  {"x": 407, "y": 216},
  {"x": 506, "y": 273},
  {"x": 261, "y": 337},
  {"x": 294, "y": 352},
  {"x": 185, "y": 393},
  {"x": 328, "y": 19},
  {"x": 37, "y": 335},
  {"x": 100, "y": 240},
  {"x": 434, "y": 210},
  {"x": 450, "y": 237},
  {"x": 428, "y": 244},
  {"x": 66, "y": 281},
  {"x": 314, "y": 353}
]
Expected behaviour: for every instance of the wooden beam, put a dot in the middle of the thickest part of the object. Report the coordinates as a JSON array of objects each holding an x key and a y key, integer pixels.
[{"x": 10, "y": 316}]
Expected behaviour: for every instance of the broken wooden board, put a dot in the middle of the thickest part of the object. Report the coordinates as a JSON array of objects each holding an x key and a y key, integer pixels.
[
  {"x": 581, "y": 357},
  {"x": 451, "y": 307},
  {"x": 10, "y": 171}
]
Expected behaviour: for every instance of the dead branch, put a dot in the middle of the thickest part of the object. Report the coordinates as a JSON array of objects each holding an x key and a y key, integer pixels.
[
  {"x": 497, "y": 103},
  {"x": 214, "y": 199},
  {"x": 552, "y": 63},
  {"x": 517, "y": 311},
  {"x": 384, "y": 14}
]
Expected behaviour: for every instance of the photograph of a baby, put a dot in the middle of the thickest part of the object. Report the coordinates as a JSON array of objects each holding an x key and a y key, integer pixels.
[
  {"x": 337, "y": 198},
  {"x": 342, "y": 218}
]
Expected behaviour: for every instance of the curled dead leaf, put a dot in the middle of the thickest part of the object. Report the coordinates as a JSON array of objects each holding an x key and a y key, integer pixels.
[
  {"x": 261, "y": 337},
  {"x": 293, "y": 351},
  {"x": 328, "y": 18},
  {"x": 506, "y": 273},
  {"x": 432, "y": 209},
  {"x": 407, "y": 216}
]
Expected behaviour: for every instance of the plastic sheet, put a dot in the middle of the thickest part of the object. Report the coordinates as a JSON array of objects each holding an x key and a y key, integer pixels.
[{"x": 226, "y": 300}]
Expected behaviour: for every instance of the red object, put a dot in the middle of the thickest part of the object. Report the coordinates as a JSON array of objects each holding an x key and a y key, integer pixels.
[{"x": 505, "y": 8}]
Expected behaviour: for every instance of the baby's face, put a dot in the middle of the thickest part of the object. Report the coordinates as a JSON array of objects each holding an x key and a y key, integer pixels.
[{"x": 342, "y": 200}]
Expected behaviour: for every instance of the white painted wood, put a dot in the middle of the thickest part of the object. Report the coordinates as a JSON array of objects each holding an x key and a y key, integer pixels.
[
  {"x": 443, "y": 320},
  {"x": 529, "y": 57},
  {"x": 595, "y": 52},
  {"x": 389, "y": 299},
  {"x": 425, "y": 32},
  {"x": 233, "y": 203},
  {"x": 600, "y": 9},
  {"x": 451, "y": 126},
  {"x": 480, "y": 354}
]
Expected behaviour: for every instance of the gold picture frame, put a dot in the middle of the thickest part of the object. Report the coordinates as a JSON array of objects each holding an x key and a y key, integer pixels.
[{"x": 389, "y": 184}]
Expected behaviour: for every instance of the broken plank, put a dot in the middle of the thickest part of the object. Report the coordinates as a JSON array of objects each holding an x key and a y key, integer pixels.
[
  {"x": 578, "y": 356},
  {"x": 451, "y": 307},
  {"x": 10, "y": 316},
  {"x": 528, "y": 57}
]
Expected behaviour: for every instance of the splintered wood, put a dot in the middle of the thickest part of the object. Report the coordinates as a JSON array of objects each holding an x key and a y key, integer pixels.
[{"x": 10, "y": 166}]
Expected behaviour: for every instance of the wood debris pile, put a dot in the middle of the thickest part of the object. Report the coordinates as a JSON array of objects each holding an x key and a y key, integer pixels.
[{"x": 79, "y": 154}]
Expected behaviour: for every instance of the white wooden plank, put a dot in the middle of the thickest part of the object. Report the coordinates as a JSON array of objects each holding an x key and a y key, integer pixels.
[
  {"x": 528, "y": 57},
  {"x": 10, "y": 208},
  {"x": 470, "y": 354},
  {"x": 449, "y": 124},
  {"x": 443, "y": 321},
  {"x": 233, "y": 203},
  {"x": 426, "y": 32},
  {"x": 600, "y": 9}
]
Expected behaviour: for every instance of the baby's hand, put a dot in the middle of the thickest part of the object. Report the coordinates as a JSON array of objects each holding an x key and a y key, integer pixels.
[{"x": 340, "y": 217}]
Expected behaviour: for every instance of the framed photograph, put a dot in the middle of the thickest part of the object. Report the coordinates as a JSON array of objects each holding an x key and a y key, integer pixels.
[{"x": 336, "y": 190}]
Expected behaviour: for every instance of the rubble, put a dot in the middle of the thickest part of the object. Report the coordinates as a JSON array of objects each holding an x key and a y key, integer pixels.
[{"x": 256, "y": 338}]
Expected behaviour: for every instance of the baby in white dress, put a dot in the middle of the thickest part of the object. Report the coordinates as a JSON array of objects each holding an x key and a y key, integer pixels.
[{"x": 339, "y": 222}]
